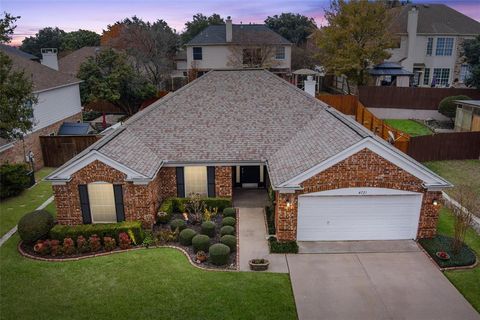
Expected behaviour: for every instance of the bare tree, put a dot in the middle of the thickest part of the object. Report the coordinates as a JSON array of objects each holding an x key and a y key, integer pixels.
[{"x": 251, "y": 55}]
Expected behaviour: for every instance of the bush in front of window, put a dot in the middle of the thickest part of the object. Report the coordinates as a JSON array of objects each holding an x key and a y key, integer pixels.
[
  {"x": 229, "y": 212},
  {"x": 227, "y": 230},
  {"x": 178, "y": 223},
  {"x": 228, "y": 221},
  {"x": 448, "y": 107},
  {"x": 177, "y": 205},
  {"x": 35, "y": 226},
  {"x": 201, "y": 242},
  {"x": 13, "y": 179},
  {"x": 219, "y": 254},
  {"x": 109, "y": 243},
  {"x": 230, "y": 241},
  {"x": 163, "y": 217},
  {"x": 186, "y": 236},
  {"x": 69, "y": 246},
  {"x": 124, "y": 241},
  {"x": 208, "y": 228}
]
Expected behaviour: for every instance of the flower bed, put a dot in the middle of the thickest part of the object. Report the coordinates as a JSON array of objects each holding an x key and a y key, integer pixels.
[{"x": 440, "y": 249}]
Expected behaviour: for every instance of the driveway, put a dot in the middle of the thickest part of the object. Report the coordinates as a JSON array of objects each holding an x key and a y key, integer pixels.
[{"x": 401, "y": 285}]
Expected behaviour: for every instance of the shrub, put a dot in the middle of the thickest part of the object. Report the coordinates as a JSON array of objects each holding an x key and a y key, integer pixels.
[
  {"x": 230, "y": 241},
  {"x": 228, "y": 221},
  {"x": 163, "y": 217},
  {"x": 227, "y": 230},
  {"x": 82, "y": 244},
  {"x": 68, "y": 246},
  {"x": 55, "y": 248},
  {"x": 270, "y": 212},
  {"x": 200, "y": 242},
  {"x": 148, "y": 240},
  {"x": 447, "y": 106},
  {"x": 94, "y": 243},
  {"x": 42, "y": 247},
  {"x": 124, "y": 241},
  {"x": 229, "y": 212},
  {"x": 35, "y": 226},
  {"x": 209, "y": 214},
  {"x": 13, "y": 179},
  {"x": 219, "y": 254},
  {"x": 165, "y": 236},
  {"x": 109, "y": 243},
  {"x": 282, "y": 247},
  {"x": 102, "y": 230},
  {"x": 178, "y": 223},
  {"x": 177, "y": 205},
  {"x": 208, "y": 228},
  {"x": 186, "y": 236},
  {"x": 464, "y": 257}
]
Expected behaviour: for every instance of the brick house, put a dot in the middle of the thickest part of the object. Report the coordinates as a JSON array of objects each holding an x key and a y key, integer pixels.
[{"x": 333, "y": 179}]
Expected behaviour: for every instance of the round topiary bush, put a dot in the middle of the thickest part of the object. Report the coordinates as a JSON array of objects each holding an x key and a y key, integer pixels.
[
  {"x": 448, "y": 107},
  {"x": 201, "y": 242},
  {"x": 227, "y": 230},
  {"x": 208, "y": 228},
  {"x": 178, "y": 223},
  {"x": 35, "y": 225},
  {"x": 230, "y": 241},
  {"x": 163, "y": 217},
  {"x": 228, "y": 221},
  {"x": 219, "y": 254},
  {"x": 229, "y": 212},
  {"x": 185, "y": 237}
]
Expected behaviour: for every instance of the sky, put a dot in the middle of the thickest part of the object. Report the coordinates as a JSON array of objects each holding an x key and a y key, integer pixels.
[{"x": 95, "y": 15}]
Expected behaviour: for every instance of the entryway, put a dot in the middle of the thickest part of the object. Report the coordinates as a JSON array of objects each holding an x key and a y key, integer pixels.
[{"x": 251, "y": 176}]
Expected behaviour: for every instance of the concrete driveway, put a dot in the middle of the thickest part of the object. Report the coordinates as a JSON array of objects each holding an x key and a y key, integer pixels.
[{"x": 402, "y": 285}]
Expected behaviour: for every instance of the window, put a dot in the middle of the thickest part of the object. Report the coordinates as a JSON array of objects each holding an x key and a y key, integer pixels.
[
  {"x": 444, "y": 47},
  {"x": 429, "y": 46},
  {"x": 252, "y": 57},
  {"x": 441, "y": 76},
  {"x": 465, "y": 72},
  {"x": 280, "y": 53},
  {"x": 102, "y": 202},
  {"x": 197, "y": 53},
  {"x": 426, "y": 77},
  {"x": 416, "y": 76},
  {"x": 195, "y": 180}
]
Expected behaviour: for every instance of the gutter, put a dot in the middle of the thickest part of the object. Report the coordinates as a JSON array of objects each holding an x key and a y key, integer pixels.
[{"x": 58, "y": 87}]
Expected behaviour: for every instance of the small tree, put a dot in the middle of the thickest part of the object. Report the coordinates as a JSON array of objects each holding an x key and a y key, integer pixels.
[
  {"x": 195, "y": 206},
  {"x": 7, "y": 27},
  {"x": 471, "y": 51},
  {"x": 448, "y": 107}
]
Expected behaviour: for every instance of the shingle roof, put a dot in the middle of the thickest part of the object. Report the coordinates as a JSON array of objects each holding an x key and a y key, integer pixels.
[
  {"x": 241, "y": 34},
  {"x": 43, "y": 77},
  {"x": 70, "y": 64},
  {"x": 18, "y": 52},
  {"x": 434, "y": 19}
]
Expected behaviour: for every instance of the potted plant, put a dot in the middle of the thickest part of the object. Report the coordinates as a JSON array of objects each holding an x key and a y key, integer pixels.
[
  {"x": 442, "y": 255},
  {"x": 201, "y": 256},
  {"x": 258, "y": 264}
]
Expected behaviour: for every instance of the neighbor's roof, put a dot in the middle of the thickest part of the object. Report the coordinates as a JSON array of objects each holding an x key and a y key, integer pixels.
[
  {"x": 434, "y": 19},
  {"x": 70, "y": 64},
  {"x": 43, "y": 77},
  {"x": 241, "y": 34},
  {"x": 74, "y": 128},
  {"x": 20, "y": 53}
]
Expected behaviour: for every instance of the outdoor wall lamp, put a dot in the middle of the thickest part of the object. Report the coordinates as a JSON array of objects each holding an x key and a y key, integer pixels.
[
  {"x": 288, "y": 203},
  {"x": 435, "y": 202}
]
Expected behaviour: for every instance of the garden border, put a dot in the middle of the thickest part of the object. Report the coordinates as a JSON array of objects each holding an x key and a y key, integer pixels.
[{"x": 447, "y": 268}]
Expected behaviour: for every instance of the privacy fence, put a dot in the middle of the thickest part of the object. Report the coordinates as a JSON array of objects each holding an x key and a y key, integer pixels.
[{"x": 57, "y": 150}]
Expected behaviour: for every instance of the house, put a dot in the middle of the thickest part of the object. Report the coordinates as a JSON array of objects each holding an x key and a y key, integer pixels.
[
  {"x": 430, "y": 37},
  {"x": 332, "y": 178},
  {"x": 58, "y": 97},
  {"x": 239, "y": 46},
  {"x": 467, "y": 116}
]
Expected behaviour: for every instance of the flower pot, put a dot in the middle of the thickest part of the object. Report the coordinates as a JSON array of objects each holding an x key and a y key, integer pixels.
[
  {"x": 442, "y": 255},
  {"x": 258, "y": 264}
]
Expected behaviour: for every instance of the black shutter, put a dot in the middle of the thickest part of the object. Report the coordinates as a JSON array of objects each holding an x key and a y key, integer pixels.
[
  {"x": 117, "y": 192},
  {"x": 211, "y": 181},
  {"x": 84, "y": 204},
  {"x": 180, "y": 183}
]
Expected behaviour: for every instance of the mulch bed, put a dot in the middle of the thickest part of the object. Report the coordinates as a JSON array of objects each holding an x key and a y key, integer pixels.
[{"x": 465, "y": 257}]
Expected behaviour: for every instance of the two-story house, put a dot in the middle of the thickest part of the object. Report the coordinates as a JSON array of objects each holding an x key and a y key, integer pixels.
[
  {"x": 430, "y": 38},
  {"x": 239, "y": 46}
]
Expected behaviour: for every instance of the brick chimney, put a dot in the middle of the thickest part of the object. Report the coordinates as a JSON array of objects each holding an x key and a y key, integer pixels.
[
  {"x": 228, "y": 29},
  {"x": 49, "y": 57}
]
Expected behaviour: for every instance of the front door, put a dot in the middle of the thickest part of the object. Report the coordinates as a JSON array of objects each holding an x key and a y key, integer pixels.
[{"x": 250, "y": 175}]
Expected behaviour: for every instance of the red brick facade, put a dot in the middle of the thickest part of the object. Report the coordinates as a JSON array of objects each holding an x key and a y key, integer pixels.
[
  {"x": 363, "y": 169},
  {"x": 223, "y": 181},
  {"x": 31, "y": 142}
]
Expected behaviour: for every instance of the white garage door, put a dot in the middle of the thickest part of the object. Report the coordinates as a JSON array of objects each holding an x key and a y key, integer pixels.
[{"x": 358, "y": 214}]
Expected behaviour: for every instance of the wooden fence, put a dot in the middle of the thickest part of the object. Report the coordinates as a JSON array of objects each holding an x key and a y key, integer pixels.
[
  {"x": 57, "y": 150},
  {"x": 409, "y": 97},
  {"x": 347, "y": 104}
]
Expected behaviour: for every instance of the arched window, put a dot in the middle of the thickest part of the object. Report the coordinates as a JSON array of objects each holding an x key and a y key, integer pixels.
[{"x": 102, "y": 202}]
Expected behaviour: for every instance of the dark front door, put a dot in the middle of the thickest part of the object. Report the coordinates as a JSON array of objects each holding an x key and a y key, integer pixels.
[{"x": 250, "y": 174}]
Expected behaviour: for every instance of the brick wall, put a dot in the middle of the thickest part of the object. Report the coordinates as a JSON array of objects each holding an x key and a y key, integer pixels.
[
  {"x": 363, "y": 169},
  {"x": 223, "y": 181},
  {"x": 31, "y": 142}
]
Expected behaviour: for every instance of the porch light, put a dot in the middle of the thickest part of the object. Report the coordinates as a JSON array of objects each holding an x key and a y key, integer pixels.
[
  {"x": 288, "y": 203},
  {"x": 435, "y": 202}
]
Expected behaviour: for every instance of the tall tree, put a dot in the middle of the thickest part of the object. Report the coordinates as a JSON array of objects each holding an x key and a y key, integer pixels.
[
  {"x": 471, "y": 51},
  {"x": 356, "y": 38},
  {"x": 198, "y": 23},
  {"x": 44, "y": 38},
  {"x": 7, "y": 27},
  {"x": 109, "y": 77},
  {"x": 292, "y": 26},
  {"x": 78, "y": 39}
]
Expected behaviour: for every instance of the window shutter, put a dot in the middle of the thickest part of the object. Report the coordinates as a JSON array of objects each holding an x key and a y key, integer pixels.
[
  {"x": 84, "y": 204},
  {"x": 117, "y": 192},
  {"x": 211, "y": 181},
  {"x": 180, "y": 183}
]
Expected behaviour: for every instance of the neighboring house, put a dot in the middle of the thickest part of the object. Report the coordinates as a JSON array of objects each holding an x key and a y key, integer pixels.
[
  {"x": 467, "y": 117},
  {"x": 430, "y": 38},
  {"x": 58, "y": 101},
  {"x": 6, "y": 48},
  {"x": 332, "y": 178},
  {"x": 239, "y": 46}
]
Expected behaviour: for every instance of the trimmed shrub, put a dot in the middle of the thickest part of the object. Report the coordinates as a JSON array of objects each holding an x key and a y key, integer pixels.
[
  {"x": 163, "y": 217},
  {"x": 82, "y": 244},
  {"x": 35, "y": 226},
  {"x": 229, "y": 212},
  {"x": 177, "y": 205},
  {"x": 227, "y": 230},
  {"x": 208, "y": 228},
  {"x": 186, "y": 236},
  {"x": 102, "y": 230},
  {"x": 282, "y": 247},
  {"x": 109, "y": 243},
  {"x": 55, "y": 248},
  {"x": 178, "y": 223},
  {"x": 42, "y": 247},
  {"x": 124, "y": 241},
  {"x": 230, "y": 241},
  {"x": 219, "y": 254},
  {"x": 448, "y": 107},
  {"x": 270, "y": 212},
  {"x": 228, "y": 221},
  {"x": 201, "y": 242},
  {"x": 94, "y": 243},
  {"x": 68, "y": 246},
  {"x": 13, "y": 179}
]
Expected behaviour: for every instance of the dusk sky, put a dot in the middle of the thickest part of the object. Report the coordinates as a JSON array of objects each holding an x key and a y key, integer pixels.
[{"x": 95, "y": 15}]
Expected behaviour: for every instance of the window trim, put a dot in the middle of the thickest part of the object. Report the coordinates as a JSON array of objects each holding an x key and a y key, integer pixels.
[
  {"x": 93, "y": 220},
  {"x": 195, "y": 54},
  {"x": 283, "y": 53},
  {"x": 444, "y": 51},
  {"x": 437, "y": 78}
]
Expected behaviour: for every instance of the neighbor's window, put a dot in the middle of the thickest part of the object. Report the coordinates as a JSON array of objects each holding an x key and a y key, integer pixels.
[
  {"x": 444, "y": 47},
  {"x": 426, "y": 76},
  {"x": 441, "y": 76},
  {"x": 280, "y": 53},
  {"x": 102, "y": 202},
  {"x": 465, "y": 72},
  {"x": 252, "y": 57},
  {"x": 195, "y": 180},
  {"x": 429, "y": 46},
  {"x": 197, "y": 53}
]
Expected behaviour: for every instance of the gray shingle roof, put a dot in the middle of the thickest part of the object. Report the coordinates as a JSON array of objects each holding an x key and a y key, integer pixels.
[
  {"x": 23, "y": 54},
  {"x": 70, "y": 64},
  {"x": 241, "y": 34}
]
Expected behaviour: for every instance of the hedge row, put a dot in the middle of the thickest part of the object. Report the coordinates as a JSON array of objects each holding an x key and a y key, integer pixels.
[{"x": 177, "y": 205}]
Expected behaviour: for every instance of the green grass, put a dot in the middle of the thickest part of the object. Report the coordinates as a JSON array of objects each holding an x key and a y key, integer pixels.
[
  {"x": 12, "y": 209},
  {"x": 410, "y": 127},
  {"x": 143, "y": 284},
  {"x": 466, "y": 281}
]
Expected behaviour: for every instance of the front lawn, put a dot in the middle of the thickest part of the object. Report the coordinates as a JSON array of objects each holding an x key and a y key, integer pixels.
[
  {"x": 411, "y": 127},
  {"x": 142, "y": 284},
  {"x": 12, "y": 209}
]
